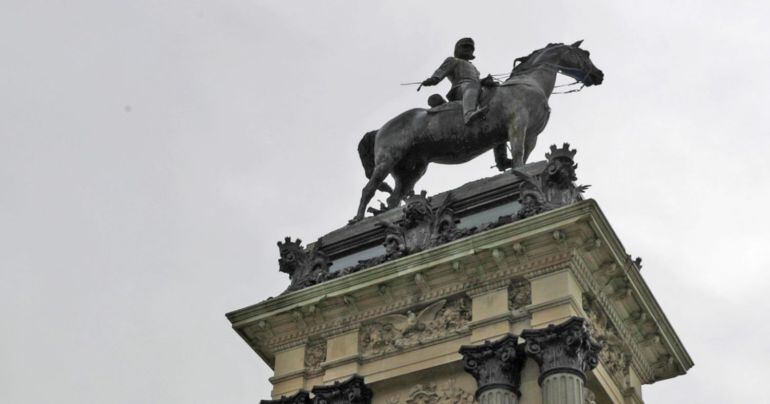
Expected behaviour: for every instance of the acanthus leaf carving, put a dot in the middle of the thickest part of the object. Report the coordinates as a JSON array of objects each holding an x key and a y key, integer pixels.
[
  {"x": 496, "y": 364},
  {"x": 351, "y": 391},
  {"x": 301, "y": 397},
  {"x": 567, "y": 347}
]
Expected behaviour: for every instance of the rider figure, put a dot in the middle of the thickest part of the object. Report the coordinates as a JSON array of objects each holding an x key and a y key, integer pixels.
[{"x": 464, "y": 78}]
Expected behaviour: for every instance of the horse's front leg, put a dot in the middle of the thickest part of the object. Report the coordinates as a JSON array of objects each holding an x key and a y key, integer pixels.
[{"x": 517, "y": 134}]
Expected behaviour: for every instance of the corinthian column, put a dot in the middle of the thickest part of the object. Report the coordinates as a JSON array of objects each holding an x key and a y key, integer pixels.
[
  {"x": 302, "y": 397},
  {"x": 351, "y": 391},
  {"x": 496, "y": 366},
  {"x": 564, "y": 352}
]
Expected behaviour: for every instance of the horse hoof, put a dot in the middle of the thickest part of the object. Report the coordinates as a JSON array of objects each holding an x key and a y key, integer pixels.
[{"x": 354, "y": 220}]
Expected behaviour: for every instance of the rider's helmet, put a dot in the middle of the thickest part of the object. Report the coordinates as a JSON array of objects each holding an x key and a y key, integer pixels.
[{"x": 460, "y": 43}]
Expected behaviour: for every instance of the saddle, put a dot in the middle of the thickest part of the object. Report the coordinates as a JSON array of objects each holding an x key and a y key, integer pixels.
[{"x": 440, "y": 104}]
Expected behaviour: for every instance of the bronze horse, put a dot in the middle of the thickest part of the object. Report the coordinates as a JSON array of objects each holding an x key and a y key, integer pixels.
[{"x": 517, "y": 112}]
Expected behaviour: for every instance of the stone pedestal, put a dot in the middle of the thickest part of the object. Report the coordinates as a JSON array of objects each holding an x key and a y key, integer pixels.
[{"x": 399, "y": 320}]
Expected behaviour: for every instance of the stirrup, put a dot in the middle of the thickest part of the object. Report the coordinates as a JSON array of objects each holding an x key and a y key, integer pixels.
[{"x": 473, "y": 114}]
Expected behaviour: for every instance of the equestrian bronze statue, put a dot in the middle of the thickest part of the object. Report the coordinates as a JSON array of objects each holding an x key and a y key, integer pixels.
[{"x": 516, "y": 111}]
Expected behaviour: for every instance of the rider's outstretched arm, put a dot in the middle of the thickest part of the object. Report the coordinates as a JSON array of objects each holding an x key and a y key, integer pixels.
[{"x": 441, "y": 72}]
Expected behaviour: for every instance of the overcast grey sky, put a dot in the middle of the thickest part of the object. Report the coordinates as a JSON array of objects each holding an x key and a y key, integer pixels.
[{"x": 153, "y": 152}]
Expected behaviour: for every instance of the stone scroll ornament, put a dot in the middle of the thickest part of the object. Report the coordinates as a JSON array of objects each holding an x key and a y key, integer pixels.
[
  {"x": 552, "y": 188},
  {"x": 568, "y": 347},
  {"x": 495, "y": 365},
  {"x": 351, "y": 391}
]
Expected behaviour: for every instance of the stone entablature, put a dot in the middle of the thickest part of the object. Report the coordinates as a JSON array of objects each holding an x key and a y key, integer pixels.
[{"x": 510, "y": 262}]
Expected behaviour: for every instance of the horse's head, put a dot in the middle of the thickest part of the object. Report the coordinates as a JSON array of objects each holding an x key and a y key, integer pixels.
[
  {"x": 571, "y": 60},
  {"x": 576, "y": 63}
]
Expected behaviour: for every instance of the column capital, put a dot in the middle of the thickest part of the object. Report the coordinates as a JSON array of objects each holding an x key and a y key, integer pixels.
[
  {"x": 564, "y": 348},
  {"x": 495, "y": 365},
  {"x": 351, "y": 391},
  {"x": 302, "y": 397}
]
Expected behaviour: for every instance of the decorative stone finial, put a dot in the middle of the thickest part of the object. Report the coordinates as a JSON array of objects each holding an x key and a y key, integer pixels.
[
  {"x": 495, "y": 365},
  {"x": 553, "y": 187},
  {"x": 302, "y": 397},
  {"x": 305, "y": 267},
  {"x": 351, "y": 391},
  {"x": 564, "y": 348}
]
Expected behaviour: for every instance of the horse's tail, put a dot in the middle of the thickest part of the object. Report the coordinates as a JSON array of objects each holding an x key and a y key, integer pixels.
[{"x": 366, "y": 152}]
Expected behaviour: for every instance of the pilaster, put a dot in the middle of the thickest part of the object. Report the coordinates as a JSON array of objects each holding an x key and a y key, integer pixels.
[
  {"x": 342, "y": 356},
  {"x": 556, "y": 297},
  {"x": 289, "y": 371},
  {"x": 490, "y": 311}
]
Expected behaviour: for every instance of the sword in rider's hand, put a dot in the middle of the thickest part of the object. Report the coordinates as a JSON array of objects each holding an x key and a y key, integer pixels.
[{"x": 413, "y": 84}]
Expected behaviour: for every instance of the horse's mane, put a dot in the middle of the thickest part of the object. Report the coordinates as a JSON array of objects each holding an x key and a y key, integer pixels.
[{"x": 525, "y": 62}]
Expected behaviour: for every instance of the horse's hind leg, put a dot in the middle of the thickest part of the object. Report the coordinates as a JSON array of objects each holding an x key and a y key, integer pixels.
[
  {"x": 529, "y": 145},
  {"x": 378, "y": 175},
  {"x": 405, "y": 178},
  {"x": 517, "y": 132}
]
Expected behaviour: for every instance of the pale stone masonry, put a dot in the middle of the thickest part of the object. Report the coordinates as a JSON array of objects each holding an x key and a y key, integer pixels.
[{"x": 400, "y": 324}]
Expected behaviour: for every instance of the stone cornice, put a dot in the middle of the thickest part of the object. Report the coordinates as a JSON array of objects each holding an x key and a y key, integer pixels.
[
  {"x": 574, "y": 237},
  {"x": 411, "y": 264},
  {"x": 647, "y": 300}
]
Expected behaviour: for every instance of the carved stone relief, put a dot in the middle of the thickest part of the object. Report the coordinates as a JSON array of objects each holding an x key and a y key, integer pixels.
[
  {"x": 315, "y": 354},
  {"x": 614, "y": 356},
  {"x": 519, "y": 297},
  {"x": 552, "y": 188},
  {"x": 431, "y": 393},
  {"x": 396, "y": 332}
]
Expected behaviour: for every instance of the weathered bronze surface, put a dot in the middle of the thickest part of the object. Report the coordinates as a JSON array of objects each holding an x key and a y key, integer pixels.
[{"x": 516, "y": 112}]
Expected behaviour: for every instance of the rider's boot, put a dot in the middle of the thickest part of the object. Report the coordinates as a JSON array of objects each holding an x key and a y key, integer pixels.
[{"x": 471, "y": 115}]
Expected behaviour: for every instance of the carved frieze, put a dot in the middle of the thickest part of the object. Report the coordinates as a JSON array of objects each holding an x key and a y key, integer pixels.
[
  {"x": 396, "y": 332},
  {"x": 495, "y": 365},
  {"x": 315, "y": 355},
  {"x": 568, "y": 347},
  {"x": 431, "y": 393}
]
